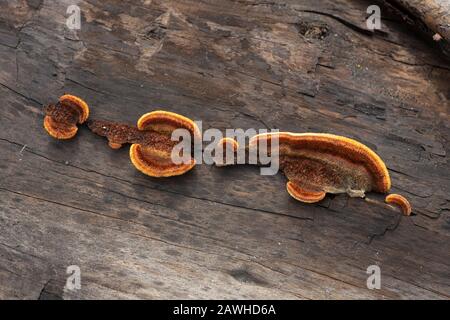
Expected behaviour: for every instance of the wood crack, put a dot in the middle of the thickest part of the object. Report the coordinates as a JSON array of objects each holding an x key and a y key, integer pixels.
[
  {"x": 344, "y": 22},
  {"x": 22, "y": 95},
  {"x": 390, "y": 228}
]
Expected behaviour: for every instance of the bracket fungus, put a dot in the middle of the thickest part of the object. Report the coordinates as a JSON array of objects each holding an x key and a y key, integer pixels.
[
  {"x": 119, "y": 134},
  {"x": 400, "y": 201},
  {"x": 229, "y": 144},
  {"x": 61, "y": 119},
  {"x": 156, "y": 159},
  {"x": 151, "y": 143},
  {"x": 314, "y": 163},
  {"x": 319, "y": 163},
  {"x": 303, "y": 195}
]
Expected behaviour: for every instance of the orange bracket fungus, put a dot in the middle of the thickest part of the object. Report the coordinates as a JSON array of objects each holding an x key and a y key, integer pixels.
[
  {"x": 151, "y": 144},
  {"x": 314, "y": 163},
  {"x": 61, "y": 119},
  {"x": 399, "y": 201},
  {"x": 229, "y": 148},
  {"x": 156, "y": 160},
  {"x": 317, "y": 163}
]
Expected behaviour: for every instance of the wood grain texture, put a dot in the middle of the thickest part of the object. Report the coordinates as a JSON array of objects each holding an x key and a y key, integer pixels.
[{"x": 218, "y": 232}]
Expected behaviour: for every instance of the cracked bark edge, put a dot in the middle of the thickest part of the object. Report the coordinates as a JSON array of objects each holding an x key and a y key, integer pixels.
[
  {"x": 148, "y": 187},
  {"x": 431, "y": 18}
]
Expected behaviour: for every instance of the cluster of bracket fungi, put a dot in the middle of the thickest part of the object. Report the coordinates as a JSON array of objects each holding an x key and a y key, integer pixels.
[{"x": 314, "y": 163}]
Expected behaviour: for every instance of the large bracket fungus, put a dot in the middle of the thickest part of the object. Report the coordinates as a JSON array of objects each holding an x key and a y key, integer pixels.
[
  {"x": 317, "y": 163},
  {"x": 151, "y": 143},
  {"x": 61, "y": 119}
]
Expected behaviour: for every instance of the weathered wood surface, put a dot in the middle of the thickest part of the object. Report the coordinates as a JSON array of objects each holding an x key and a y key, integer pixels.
[{"x": 219, "y": 232}]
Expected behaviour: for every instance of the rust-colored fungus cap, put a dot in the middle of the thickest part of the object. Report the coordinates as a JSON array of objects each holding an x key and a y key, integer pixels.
[
  {"x": 62, "y": 118},
  {"x": 155, "y": 159},
  {"x": 308, "y": 196},
  {"x": 229, "y": 147},
  {"x": 59, "y": 130},
  {"x": 229, "y": 144},
  {"x": 166, "y": 122},
  {"x": 400, "y": 201},
  {"x": 78, "y": 103},
  {"x": 114, "y": 145},
  {"x": 317, "y": 163}
]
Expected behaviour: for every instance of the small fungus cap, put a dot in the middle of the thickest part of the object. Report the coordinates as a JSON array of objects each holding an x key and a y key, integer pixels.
[
  {"x": 155, "y": 164},
  {"x": 166, "y": 122},
  {"x": 58, "y": 131},
  {"x": 61, "y": 119},
  {"x": 229, "y": 148},
  {"x": 303, "y": 195},
  {"x": 229, "y": 144},
  {"x": 400, "y": 201}
]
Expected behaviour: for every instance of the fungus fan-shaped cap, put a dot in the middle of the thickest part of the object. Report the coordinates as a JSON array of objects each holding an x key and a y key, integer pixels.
[
  {"x": 166, "y": 122},
  {"x": 156, "y": 160},
  {"x": 61, "y": 119},
  {"x": 400, "y": 201},
  {"x": 229, "y": 144},
  {"x": 229, "y": 148},
  {"x": 343, "y": 148},
  {"x": 155, "y": 163},
  {"x": 58, "y": 131},
  {"x": 304, "y": 195},
  {"x": 80, "y": 104},
  {"x": 320, "y": 163}
]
